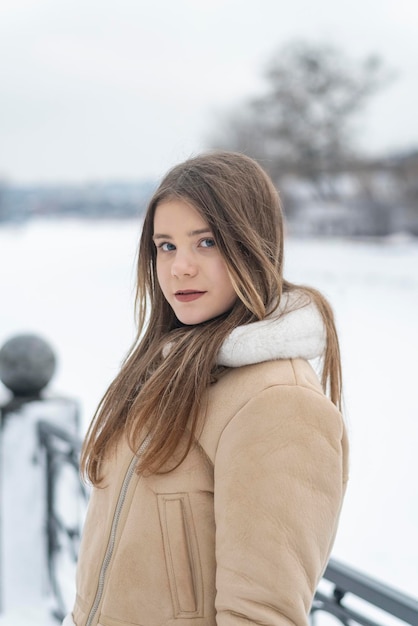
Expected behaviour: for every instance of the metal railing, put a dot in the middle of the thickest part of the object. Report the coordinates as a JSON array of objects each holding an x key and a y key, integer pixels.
[
  {"x": 348, "y": 595},
  {"x": 61, "y": 452},
  {"x": 354, "y": 598}
]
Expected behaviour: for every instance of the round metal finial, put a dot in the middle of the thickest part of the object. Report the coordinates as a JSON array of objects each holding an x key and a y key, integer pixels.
[{"x": 27, "y": 364}]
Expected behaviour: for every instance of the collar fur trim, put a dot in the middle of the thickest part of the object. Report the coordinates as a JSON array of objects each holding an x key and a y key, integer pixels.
[{"x": 294, "y": 330}]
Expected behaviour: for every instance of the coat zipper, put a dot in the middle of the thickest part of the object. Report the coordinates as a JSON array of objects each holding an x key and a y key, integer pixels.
[{"x": 111, "y": 543}]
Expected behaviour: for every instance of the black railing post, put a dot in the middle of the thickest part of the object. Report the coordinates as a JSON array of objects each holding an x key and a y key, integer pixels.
[
  {"x": 27, "y": 364},
  {"x": 61, "y": 450}
]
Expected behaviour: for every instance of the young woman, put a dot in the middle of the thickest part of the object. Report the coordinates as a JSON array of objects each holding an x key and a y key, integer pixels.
[{"x": 218, "y": 463}]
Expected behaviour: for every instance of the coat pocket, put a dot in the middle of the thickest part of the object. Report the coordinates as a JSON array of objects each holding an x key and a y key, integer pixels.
[{"x": 181, "y": 554}]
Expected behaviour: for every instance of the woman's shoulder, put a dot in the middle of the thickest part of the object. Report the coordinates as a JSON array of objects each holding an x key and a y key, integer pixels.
[{"x": 272, "y": 391}]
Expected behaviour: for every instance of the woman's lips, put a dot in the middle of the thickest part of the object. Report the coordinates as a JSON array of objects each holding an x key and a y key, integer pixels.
[{"x": 188, "y": 295}]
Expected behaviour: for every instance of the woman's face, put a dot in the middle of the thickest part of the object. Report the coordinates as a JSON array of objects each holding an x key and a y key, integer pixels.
[{"x": 190, "y": 269}]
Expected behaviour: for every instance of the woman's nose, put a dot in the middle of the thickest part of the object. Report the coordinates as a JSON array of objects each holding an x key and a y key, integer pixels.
[{"x": 183, "y": 265}]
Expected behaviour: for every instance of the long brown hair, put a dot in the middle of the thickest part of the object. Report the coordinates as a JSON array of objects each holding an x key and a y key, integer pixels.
[{"x": 160, "y": 392}]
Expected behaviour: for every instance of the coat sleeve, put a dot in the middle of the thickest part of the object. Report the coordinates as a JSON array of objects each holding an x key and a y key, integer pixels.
[{"x": 279, "y": 484}]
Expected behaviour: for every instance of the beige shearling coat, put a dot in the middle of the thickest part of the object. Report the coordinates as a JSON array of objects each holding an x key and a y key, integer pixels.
[{"x": 242, "y": 530}]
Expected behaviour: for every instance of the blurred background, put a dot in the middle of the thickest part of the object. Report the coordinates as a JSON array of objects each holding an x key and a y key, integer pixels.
[{"x": 99, "y": 99}]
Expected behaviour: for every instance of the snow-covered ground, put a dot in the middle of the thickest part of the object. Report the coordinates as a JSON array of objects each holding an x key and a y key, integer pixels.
[{"x": 72, "y": 283}]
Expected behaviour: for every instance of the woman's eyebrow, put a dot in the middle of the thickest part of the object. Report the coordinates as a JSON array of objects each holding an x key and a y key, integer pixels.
[
  {"x": 161, "y": 236},
  {"x": 191, "y": 233},
  {"x": 200, "y": 231}
]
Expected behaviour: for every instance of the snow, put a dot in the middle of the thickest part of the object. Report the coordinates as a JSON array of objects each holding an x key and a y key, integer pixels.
[{"x": 73, "y": 284}]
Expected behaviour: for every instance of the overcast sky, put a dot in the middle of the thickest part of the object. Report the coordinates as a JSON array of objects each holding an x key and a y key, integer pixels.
[{"x": 92, "y": 89}]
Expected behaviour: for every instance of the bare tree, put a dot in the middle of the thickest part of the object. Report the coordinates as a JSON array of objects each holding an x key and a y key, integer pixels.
[{"x": 302, "y": 124}]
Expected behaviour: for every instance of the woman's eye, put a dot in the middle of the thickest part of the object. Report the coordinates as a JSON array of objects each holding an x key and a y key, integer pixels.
[
  {"x": 208, "y": 242},
  {"x": 166, "y": 246}
]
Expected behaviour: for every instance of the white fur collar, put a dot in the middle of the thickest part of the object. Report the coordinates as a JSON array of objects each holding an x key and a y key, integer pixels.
[{"x": 285, "y": 334}]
